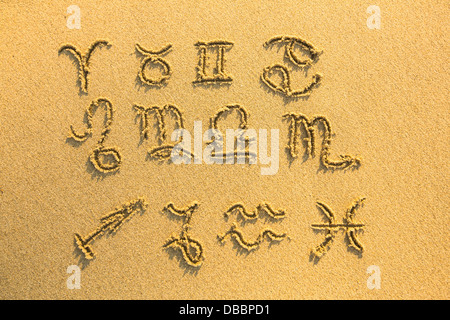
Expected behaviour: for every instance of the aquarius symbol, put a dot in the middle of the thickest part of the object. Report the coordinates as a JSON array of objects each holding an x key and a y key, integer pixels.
[
  {"x": 220, "y": 76},
  {"x": 297, "y": 122},
  {"x": 249, "y": 245},
  {"x": 83, "y": 61},
  {"x": 100, "y": 152},
  {"x": 191, "y": 249},
  {"x": 285, "y": 85},
  {"x": 162, "y": 152},
  {"x": 264, "y": 207},
  {"x": 151, "y": 58},
  {"x": 236, "y": 233},
  {"x": 110, "y": 223},
  {"x": 332, "y": 227},
  {"x": 217, "y": 139}
]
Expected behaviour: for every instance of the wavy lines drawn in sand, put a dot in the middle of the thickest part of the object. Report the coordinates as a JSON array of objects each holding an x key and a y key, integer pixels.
[
  {"x": 237, "y": 234},
  {"x": 250, "y": 245},
  {"x": 331, "y": 227},
  {"x": 264, "y": 207},
  {"x": 164, "y": 150},
  {"x": 152, "y": 58},
  {"x": 244, "y": 146},
  {"x": 110, "y": 223},
  {"x": 101, "y": 153},
  {"x": 219, "y": 75},
  {"x": 83, "y": 61},
  {"x": 191, "y": 249},
  {"x": 285, "y": 86},
  {"x": 299, "y": 121}
]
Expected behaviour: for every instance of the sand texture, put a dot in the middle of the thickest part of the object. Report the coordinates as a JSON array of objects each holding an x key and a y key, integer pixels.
[{"x": 140, "y": 227}]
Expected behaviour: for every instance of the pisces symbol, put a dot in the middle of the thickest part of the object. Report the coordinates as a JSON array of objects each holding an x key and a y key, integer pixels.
[{"x": 332, "y": 227}]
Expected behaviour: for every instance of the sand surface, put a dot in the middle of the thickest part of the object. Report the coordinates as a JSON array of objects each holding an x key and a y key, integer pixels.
[{"x": 383, "y": 91}]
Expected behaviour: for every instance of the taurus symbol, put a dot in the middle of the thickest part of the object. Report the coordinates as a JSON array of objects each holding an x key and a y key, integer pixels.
[
  {"x": 151, "y": 57},
  {"x": 332, "y": 227}
]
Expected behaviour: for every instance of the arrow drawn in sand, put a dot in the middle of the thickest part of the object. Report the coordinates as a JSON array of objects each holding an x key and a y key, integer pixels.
[{"x": 110, "y": 223}]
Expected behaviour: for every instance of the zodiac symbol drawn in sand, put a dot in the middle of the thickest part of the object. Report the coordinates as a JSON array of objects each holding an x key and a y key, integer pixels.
[
  {"x": 219, "y": 76},
  {"x": 264, "y": 207},
  {"x": 152, "y": 58},
  {"x": 266, "y": 233},
  {"x": 110, "y": 223},
  {"x": 164, "y": 150},
  {"x": 249, "y": 245},
  {"x": 285, "y": 86},
  {"x": 332, "y": 227},
  {"x": 100, "y": 153},
  {"x": 191, "y": 248},
  {"x": 299, "y": 121},
  {"x": 83, "y": 61},
  {"x": 244, "y": 146}
]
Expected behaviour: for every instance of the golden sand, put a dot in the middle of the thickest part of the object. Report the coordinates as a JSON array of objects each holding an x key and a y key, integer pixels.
[{"x": 384, "y": 91}]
